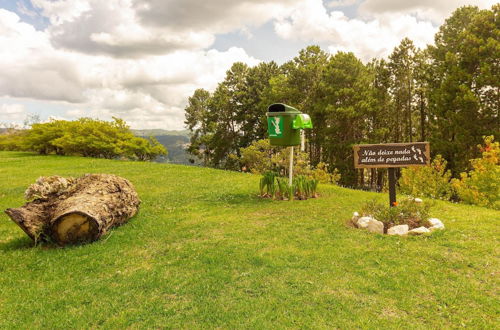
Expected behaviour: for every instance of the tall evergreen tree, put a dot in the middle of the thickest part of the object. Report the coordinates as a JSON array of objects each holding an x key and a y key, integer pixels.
[{"x": 465, "y": 86}]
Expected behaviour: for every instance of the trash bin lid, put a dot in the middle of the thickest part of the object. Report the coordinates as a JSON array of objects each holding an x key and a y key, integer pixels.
[
  {"x": 302, "y": 121},
  {"x": 280, "y": 107}
]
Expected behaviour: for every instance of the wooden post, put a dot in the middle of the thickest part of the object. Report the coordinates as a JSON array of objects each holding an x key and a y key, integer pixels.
[
  {"x": 392, "y": 186},
  {"x": 290, "y": 171}
]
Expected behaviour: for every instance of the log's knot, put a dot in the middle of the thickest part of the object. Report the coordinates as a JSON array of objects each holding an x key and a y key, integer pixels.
[{"x": 47, "y": 186}]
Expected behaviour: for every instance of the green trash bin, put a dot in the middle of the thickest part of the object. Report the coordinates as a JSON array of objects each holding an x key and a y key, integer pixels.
[{"x": 282, "y": 125}]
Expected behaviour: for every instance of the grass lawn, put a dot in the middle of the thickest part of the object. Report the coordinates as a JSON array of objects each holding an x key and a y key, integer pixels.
[{"x": 206, "y": 252}]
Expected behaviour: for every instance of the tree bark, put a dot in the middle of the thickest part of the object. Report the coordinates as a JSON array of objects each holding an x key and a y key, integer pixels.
[{"x": 69, "y": 211}]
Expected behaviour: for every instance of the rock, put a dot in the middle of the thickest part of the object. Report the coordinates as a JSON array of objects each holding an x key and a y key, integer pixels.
[
  {"x": 375, "y": 226},
  {"x": 418, "y": 200},
  {"x": 363, "y": 222},
  {"x": 398, "y": 230},
  {"x": 436, "y": 224},
  {"x": 355, "y": 215},
  {"x": 419, "y": 231}
]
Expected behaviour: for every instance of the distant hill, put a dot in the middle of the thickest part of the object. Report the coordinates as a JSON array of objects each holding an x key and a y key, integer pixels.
[
  {"x": 159, "y": 132},
  {"x": 175, "y": 141}
]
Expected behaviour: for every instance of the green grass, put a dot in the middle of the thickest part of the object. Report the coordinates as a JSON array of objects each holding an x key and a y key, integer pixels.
[{"x": 206, "y": 252}]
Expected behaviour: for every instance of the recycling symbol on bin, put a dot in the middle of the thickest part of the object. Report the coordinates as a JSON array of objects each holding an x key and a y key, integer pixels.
[{"x": 275, "y": 125}]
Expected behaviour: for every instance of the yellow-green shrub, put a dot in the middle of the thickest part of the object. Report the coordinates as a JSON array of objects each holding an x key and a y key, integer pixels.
[
  {"x": 261, "y": 157},
  {"x": 429, "y": 181},
  {"x": 481, "y": 186}
]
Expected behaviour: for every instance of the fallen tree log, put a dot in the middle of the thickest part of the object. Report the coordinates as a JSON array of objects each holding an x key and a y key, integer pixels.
[{"x": 69, "y": 211}]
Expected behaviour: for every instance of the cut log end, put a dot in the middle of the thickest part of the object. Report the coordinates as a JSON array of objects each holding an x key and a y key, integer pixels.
[
  {"x": 75, "y": 228},
  {"x": 76, "y": 211}
]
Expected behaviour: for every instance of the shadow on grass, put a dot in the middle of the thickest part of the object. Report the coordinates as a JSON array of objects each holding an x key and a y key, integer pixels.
[
  {"x": 20, "y": 154},
  {"x": 20, "y": 243}
]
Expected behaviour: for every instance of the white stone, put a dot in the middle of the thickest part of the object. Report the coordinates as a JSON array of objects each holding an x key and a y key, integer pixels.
[
  {"x": 355, "y": 215},
  {"x": 375, "y": 226},
  {"x": 419, "y": 231},
  {"x": 436, "y": 224},
  {"x": 418, "y": 200},
  {"x": 398, "y": 230},
  {"x": 363, "y": 222}
]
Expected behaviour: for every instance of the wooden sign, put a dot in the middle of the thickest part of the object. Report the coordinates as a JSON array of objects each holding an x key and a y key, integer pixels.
[{"x": 391, "y": 155}]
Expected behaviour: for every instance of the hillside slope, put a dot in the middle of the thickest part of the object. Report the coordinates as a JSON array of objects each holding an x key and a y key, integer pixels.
[{"x": 205, "y": 252}]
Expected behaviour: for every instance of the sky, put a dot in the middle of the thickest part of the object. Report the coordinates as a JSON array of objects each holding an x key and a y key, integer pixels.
[{"x": 140, "y": 60}]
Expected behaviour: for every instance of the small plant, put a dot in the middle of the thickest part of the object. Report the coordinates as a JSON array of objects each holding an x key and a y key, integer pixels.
[
  {"x": 273, "y": 186},
  {"x": 284, "y": 191},
  {"x": 407, "y": 212},
  {"x": 267, "y": 184}
]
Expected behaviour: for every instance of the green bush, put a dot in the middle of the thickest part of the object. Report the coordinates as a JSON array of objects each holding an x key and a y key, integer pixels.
[
  {"x": 481, "y": 186},
  {"x": 407, "y": 211},
  {"x": 321, "y": 174},
  {"x": 427, "y": 181},
  {"x": 261, "y": 157}
]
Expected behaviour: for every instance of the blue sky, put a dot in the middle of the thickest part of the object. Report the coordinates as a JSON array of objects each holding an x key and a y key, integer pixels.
[{"x": 141, "y": 59}]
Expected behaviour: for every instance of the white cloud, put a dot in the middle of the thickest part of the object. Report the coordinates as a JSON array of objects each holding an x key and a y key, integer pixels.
[
  {"x": 375, "y": 37},
  {"x": 147, "y": 92},
  {"x": 435, "y": 10},
  {"x": 12, "y": 113},
  {"x": 137, "y": 28},
  {"x": 63, "y": 10},
  {"x": 341, "y": 3}
]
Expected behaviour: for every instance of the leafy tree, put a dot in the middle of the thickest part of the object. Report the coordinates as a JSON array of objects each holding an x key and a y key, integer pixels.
[
  {"x": 199, "y": 121},
  {"x": 402, "y": 67},
  {"x": 345, "y": 90},
  {"x": 90, "y": 138},
  {"x": 464, "y": 102}
]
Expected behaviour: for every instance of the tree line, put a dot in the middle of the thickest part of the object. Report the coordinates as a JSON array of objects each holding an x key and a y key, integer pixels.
[{"x": 447, "y": 94}]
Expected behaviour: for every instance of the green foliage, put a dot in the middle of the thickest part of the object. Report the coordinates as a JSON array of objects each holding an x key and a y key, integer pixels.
[
  {"x": 257, "y": 157},
  {"x": 429, "y": 181},
  {"x": 12, "y": 140},
  {"x": 407, "y": 212},
  {"x": 321, "y": 174},
  {"x": 260, "y": 157},
  {"x": 304, "y": 187},
  {"x": 464, "y": 84},
  {"x": 268, "y": 184},
  {"x": 89, "y": 138},
  {"x": 283, "y": 189},
  {"x": 217, "y": 120},
  {"x": 481, "y": 185},
  {"x": 273, "y": 186}
]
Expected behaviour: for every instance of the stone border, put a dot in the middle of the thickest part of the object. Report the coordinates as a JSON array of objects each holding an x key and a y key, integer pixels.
[{"x": 373, "y": 225}]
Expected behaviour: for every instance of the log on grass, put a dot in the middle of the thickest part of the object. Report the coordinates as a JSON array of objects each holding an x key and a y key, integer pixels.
[{"x": 68, "y": 211}]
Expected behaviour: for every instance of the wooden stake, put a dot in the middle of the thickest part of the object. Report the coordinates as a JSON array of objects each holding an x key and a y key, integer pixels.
[
  {"x": 290, "y": 171},
  {"x": 392, "y": 186}
]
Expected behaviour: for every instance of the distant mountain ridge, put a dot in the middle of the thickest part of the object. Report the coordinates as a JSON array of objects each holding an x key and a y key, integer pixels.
[{"x": 176, "y": 143}]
